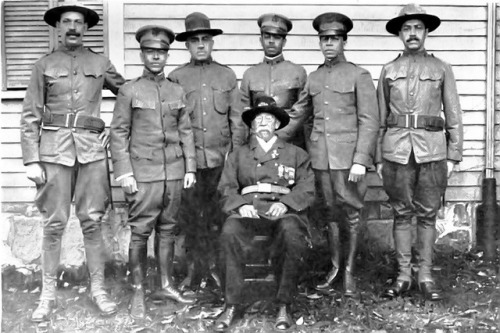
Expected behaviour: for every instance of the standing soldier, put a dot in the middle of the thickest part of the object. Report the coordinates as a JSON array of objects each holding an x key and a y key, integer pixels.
[
  {"x": 153, "y": 158},
  {"x": 63, "y": 142},
  {"x": 343, "y": 138},
  {"x": 276, "y": 77},
  {"x": 417, "y": 148},
  {"x": 215, "y": 112}
]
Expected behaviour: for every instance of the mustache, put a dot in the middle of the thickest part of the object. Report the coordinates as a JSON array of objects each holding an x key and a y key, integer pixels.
[
  {"x": 72, "y": 33},
  {"x": 411, "y": 39}
]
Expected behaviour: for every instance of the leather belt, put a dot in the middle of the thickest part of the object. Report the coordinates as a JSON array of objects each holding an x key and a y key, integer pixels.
[
  {"x": 73, "y": 120},
  {"x": 265, "y": 188},
  {"x": 429, "y": 123}
]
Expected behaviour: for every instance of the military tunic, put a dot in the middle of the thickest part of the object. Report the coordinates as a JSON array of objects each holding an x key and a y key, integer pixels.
[
  {"x": 151, "y": 138},
  {"x": 342, "y": 99},
  {"x": 283, "y": 80}
]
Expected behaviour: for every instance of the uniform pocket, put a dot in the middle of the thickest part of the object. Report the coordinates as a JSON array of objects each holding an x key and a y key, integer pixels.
[
  {"x": 221, "y": 99},
  {"x": 95, "y": 77}
]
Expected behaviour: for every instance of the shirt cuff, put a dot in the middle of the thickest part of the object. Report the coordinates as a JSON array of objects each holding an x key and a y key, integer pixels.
[{"x": 124, "y": 176}]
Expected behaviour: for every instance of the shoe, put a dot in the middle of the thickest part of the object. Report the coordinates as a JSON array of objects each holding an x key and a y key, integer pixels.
[
  {"x": 430, "y": 290},
  {"x": 138, "y": 305},
  {"x": 283, "y": 319},
  {"x": 330, "y": 277},
  {"x": 43, "y": 311},
  {"x": 105, "y": 304},
  {"x": 169, "y": 292},
  {"x": 397, "y": 288},
  {"x": 226, "y": 319}
]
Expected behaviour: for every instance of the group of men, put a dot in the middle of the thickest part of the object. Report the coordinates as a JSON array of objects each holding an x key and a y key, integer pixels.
[{"x": 195, "y": 147}]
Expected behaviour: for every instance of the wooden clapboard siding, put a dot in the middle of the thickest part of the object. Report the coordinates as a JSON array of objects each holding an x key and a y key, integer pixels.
[{"x": 460, "y": 40}]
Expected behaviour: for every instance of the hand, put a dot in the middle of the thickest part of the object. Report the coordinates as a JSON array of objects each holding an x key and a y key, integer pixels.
[
  {"x": 277, "y": 209},
  {"x": 357, "y": 172},
  {"x": 129, "y": 184},
  {"x": 380, "y": 166},
  {"x": 451, "y": 166},
  {"x": 104, "y": 137},
  {"x": 248, "y": 211},
  {"x": 36, "y": 173},
  {"x": 189, "y": 180}
]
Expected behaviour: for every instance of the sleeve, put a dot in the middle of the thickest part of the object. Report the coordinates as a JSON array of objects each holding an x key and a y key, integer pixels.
[
  {"x": 186, "y": 137},
  {"x": 301, "y": 111},
  {"x": 113, "y": 80},
  {"x": 120, "y": 133},
  {"x": 303, "y": 193},
  {"x": 31, "y": 118},
  {"x": 368, "y": 119},
  {"x": 245, "y": 91},
  {"x": 383, "y": 108},
  {"x": 453, "y": 116},
  {"x": 297, "y": 116},
  {"x": 229, "y": 187},
  {"x": 238, "y": 128}
]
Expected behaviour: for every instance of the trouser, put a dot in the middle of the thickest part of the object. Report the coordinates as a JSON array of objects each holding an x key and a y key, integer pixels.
[
  {"x": 155, "y": 206},
  {"x": 89, "y": 185},
  {"x": 415, "y": 190},
  {"x": 202, "y": 218},
  {"x": 289, "y": 245},
  {"x": 343, "y": 200}
]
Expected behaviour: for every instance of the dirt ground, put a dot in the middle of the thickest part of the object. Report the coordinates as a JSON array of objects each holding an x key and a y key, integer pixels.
[{"x": 471, "y": 304}]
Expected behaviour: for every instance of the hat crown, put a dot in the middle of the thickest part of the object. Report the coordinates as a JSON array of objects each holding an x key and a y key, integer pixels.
[
  {"x": 197, "y": 21},
  {"x": 263, "y": 101},
  {"x": 412, "y": 9}
]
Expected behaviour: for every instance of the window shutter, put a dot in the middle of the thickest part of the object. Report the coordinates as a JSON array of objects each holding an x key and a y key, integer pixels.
[{"x": 26, "y": 37}]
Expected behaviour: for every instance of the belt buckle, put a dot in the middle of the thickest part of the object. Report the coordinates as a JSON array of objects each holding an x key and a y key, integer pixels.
[
  {"x": 264, "y": 188},
  {"x": 70, "y": 120},
  {"x": 415, "y": 121},
  {"x": 407, "y": 121}
]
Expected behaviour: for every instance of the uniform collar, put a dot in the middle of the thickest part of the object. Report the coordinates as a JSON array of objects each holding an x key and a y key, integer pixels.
[
  {"x": 72, "y": 50},
  {"x": 422, "y": 53},
  {"x": 153, "y": 77},
  {"x": 201, "y": 62},
  {"x": 275, "y": 60},
  {"x": 336, "y": 60}
]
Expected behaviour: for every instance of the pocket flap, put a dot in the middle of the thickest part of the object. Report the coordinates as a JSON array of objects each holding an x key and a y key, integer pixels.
[{"x": 143, "y": 104}]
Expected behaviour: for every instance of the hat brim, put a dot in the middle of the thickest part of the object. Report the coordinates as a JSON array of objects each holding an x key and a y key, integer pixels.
[
  {"x": 280, "y": 114},
  {"x": 183, "y": 36},
  {"x": 52, "y": 16},
  {"x": 431, "y": 22}
]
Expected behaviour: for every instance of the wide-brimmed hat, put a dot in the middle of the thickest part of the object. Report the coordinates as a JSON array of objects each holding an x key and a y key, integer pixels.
[
  {"x": 410, "y": 12},
  {"x": 268, "y": 105},
  {"x": 148, "y": 37},
  {"x": 197, "y": 23},
  {"x": 276, "y": 24},
  {"x": 332, "y": 24},
  {"x": 53, "y": 15}
]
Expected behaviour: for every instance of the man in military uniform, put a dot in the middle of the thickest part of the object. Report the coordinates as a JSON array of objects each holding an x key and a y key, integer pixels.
[
  {"x": 343, "y": 138},
  {"x": 215, "y": 113},
  {"x": 417, "y": 148},
  {"x": 63, "y": 142},
  {"x": 153, "y": 153},
  {"x": 275, "y": 76},
  {"x": 266, "y": 186}
]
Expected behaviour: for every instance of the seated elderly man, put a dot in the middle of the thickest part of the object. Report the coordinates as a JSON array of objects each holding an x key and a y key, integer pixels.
[{"x": 266, "y": 187}]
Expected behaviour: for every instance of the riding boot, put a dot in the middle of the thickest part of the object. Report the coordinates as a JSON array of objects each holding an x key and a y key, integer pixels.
[
  {"x": 402, "y": 243},
  {"x": 426, "y": 233},
  {"x": 335, "y": 249},
  {"x": 95, "y": 264},
  {"x": 349, "y": 281},
  {"x": 164, "y": 252},
  {"x": 50, "y": 262},
  {"x": 137, "y": 266}
]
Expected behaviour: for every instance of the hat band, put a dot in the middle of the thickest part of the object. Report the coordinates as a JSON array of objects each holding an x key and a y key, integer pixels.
[
  {"x": 155, "y": 44},
  {"x": 274, "y": 30}
]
